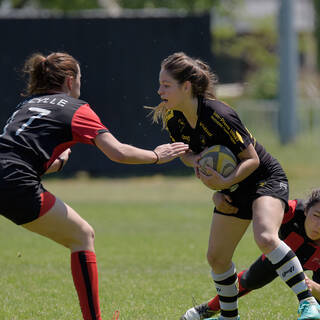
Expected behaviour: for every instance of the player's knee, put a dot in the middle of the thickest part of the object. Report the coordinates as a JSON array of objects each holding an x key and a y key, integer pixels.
[
  {"x": 217, "y": 261},
  {"x": 266, "y": 241},
  {"x": 83, "y": 238},
  {"x": 88, "y": 234}
]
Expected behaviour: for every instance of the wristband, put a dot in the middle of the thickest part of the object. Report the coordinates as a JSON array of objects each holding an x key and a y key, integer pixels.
[
  {"x": 157, "y": 160},
  {"x": 61, "y": 163}
]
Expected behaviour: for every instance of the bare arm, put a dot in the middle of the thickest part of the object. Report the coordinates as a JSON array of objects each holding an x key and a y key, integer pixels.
[
  {"x": 124, "y": 153},
  {"x": 249, "y": 162},
  {"x": 59, "y": 163}
]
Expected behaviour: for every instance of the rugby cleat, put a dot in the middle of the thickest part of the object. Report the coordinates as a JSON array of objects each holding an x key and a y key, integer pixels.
[
  {"x": 309, "y": 310},
  {"x": 199, "y": 312}
]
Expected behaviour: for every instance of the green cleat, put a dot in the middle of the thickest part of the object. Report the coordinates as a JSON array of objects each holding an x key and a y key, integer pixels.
[{"x": 309, "y": 310}]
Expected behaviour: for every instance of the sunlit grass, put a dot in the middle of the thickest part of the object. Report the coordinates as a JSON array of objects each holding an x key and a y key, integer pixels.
[{"x": 151, "y": 241}]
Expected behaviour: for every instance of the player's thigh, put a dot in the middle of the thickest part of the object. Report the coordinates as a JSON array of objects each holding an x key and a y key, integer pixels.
[
  {"x": 65, "y": 226},
  {"x": 225, "y": 234},
  {"x": 267, "y": 214}
]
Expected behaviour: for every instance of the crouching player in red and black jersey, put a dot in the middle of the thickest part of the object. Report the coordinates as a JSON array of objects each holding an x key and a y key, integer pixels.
[
  {"x": 36, "y": 140},
  {"x": 300, "y": 230}
]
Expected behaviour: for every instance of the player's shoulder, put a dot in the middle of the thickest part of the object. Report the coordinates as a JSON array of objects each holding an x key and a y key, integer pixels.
[
  {"x": 71, "y": 101},
  {"x": 217, "y": 107},
  {"x": 173, "y": 116},
  {"x": 58, "y": 100},
  {"x": 295, "y": 211},
  {"x": 300, "y": 206}
]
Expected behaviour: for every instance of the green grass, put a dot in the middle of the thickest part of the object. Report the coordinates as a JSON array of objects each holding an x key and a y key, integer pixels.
[{"x": 151, "y": 241}]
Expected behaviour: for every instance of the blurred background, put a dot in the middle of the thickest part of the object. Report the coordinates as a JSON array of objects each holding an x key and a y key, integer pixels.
[{"x": 265, "y": 53}]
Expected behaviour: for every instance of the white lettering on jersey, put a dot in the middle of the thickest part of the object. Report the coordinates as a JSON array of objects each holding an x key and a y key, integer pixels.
[{"x": 60, "y": 102}]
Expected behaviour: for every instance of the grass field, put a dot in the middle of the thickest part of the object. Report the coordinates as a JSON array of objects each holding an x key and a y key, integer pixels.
[{"x": 151, "y": 241}]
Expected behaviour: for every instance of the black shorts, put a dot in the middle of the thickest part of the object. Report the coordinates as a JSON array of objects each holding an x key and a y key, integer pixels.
[
  {"x": 22, "y": 196},
  {"x": 275, "y": 185}
]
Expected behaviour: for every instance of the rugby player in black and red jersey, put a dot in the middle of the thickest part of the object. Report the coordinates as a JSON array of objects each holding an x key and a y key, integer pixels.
[
  {"x": 258, "y": 186},
  {"x": 300, "y": 230},
  {"x": 36, "y": 140}
]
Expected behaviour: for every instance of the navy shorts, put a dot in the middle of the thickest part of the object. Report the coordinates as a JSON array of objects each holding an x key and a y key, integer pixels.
[
  {"x": 274, "y": 185},
  {"x": 22, "y": 196}
]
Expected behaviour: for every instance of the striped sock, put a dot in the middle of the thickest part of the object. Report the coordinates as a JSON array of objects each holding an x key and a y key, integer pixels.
[
  {"x": 289, "y": 270},
  {"x": 227, "y": 289},
  {"x": 214, "y": 304},
  {"x": 85, "y": 278}
]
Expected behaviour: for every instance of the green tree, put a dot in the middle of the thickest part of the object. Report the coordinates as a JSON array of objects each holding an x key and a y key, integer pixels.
[
  {"x": 56, "y": 4},
  {"x": 189, "y": 5},
  {"x": 257, "y": 49},
  {"x": 65, "y": 5}
]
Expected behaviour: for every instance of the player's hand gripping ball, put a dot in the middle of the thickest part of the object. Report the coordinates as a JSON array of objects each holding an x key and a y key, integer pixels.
[{"x": 219, "y": 158}]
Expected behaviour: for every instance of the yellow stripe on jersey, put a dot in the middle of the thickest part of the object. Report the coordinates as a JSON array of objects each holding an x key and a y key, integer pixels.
[
  {"x": 169, "y": 115},
  {"x": 239, "y": 136}
]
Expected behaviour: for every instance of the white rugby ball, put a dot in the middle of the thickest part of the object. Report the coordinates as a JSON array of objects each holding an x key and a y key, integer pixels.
[{"x": 219, "y": 158}]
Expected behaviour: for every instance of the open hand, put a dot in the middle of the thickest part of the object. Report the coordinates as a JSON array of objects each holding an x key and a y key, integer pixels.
[
  {"x": 223, "y": 202},
  {"x": 213, "y": 180},
  {"x": 170, "y": 151}
]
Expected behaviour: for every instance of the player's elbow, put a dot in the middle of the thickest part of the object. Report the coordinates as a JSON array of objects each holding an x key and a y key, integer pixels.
[{"x": 255, "y": 162}]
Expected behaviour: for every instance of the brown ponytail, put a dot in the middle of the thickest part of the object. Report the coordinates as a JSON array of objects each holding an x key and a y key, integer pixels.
[{"x": 48, "y": 73}]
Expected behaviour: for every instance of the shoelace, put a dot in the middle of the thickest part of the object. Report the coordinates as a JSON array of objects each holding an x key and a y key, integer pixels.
[
  {"x": 301, "y": 308},
  {"x": 194, "y": 301},
  {"x": 116, "y": 315}
]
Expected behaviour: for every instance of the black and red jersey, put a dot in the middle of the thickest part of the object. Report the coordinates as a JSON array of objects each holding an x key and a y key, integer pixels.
[
  {"x": 43, "y": 126},
  {"x": 218, "y": 124},
  {"x": 292, "y": 232}
]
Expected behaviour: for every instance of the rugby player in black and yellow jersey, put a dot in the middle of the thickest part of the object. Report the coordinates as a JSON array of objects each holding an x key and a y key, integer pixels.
[
  {"x": 258, "y": 187},
  {"x": 36, "y": 140}
]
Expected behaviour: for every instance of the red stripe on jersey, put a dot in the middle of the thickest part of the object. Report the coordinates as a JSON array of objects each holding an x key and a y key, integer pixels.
[
  {"x": 288, "y": 215},
  {"x": 313, "y": 262},
  {"x": 294, "y": 241},
  {"x": 86, "y": 125},
  {"x": 57, "y": 151},
  {"x": 47, "y": 202}
]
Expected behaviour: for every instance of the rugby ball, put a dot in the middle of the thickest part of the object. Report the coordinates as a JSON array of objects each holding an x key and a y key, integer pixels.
[{"x": 219, "y": 158}]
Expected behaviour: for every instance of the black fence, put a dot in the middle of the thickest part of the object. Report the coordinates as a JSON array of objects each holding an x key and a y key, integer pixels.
[{"x": 120, "y": 60}]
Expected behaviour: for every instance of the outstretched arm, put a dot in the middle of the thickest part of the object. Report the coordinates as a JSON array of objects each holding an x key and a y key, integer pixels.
[{"x": 124, "y": 153}]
